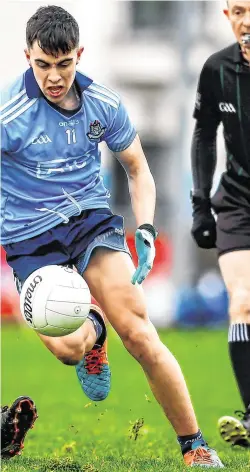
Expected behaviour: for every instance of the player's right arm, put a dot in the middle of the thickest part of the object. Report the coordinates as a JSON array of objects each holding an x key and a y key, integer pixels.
[{"x": 203, "y": 158}]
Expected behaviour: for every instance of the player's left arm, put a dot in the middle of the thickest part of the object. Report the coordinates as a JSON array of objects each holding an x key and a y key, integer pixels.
[
  {"x": 140, "y": 181},
  {"x": 122, "y": 139},
  {"x": 143, "y": 195}
]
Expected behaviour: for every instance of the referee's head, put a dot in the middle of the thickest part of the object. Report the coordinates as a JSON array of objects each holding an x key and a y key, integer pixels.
[{"x": 238, "y": 13}]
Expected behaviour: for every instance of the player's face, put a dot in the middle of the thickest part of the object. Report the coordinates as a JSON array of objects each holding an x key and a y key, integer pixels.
[
  {"x": 238, "y": 13},
  {"x": 54, "y": 75}
]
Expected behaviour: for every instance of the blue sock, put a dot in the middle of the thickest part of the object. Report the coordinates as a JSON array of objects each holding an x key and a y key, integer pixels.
[
  {"x": 186, "y": 442},
  {"x": 97, "y": 325}
]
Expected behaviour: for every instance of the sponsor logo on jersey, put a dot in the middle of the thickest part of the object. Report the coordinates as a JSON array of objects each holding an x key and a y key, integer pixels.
[
  {"x": 28, "y": 298},
  {"x": 46, "y": 169},
  {"x": 69, "y": 123},
  {"x": 227, "y": 107},
  {"x": 96, "y": 131},
  {"x": 43, "y": 139}
]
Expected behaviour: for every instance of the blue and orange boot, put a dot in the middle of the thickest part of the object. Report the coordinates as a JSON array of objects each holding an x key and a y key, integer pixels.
[
  {"x": 93, "y": 371},
  {"x": 202, "y": 456}
]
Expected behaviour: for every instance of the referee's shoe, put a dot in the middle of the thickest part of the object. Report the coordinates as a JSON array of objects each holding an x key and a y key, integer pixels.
[
  {"x": 236, "y": 431},
  {"x": 16, "y": 421}
]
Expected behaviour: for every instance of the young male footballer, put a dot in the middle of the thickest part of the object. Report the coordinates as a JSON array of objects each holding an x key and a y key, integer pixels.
[
  {"x": 224, "y": 97},
  {"x": 55, "y": 210}
]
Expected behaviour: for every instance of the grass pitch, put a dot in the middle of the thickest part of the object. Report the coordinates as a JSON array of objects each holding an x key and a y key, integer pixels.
[{"x": 127, "y": 432}]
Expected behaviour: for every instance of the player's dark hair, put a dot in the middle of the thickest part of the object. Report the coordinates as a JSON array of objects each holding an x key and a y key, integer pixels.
[{"x": 54, "y": 29}]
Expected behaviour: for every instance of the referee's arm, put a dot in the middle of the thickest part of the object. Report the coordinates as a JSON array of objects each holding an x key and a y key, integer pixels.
[
  {"x": 203, "y": 157},
  {"x": 203, "y": 149}
]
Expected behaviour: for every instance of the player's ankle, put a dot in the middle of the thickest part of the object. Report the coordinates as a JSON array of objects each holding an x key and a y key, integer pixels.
[
  {"x": 187, "y": 442},
  {"x": 98, "y": 327}
]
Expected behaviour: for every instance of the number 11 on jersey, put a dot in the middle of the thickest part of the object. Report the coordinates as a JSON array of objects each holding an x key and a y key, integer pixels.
[{"x": 71, "y": 136}]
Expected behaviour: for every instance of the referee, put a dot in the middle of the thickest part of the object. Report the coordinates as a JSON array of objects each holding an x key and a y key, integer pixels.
[{"x": 223, "y": 96}]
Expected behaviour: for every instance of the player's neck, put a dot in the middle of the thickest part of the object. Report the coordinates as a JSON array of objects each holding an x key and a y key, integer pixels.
[{"x": 72, "y": 100}]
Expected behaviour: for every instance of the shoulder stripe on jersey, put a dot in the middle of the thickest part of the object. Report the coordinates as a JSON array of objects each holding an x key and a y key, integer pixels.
[
  {"x": 103, "y": 99},
  {"x": 106, "y": 88},
  {"x": 18, "y": 105},
  {"x": 19, "y": 112},
  {"x": 105, "y": 91},
  {"x": 13, "y": 100},
  {"x": 104, "y": 94}
]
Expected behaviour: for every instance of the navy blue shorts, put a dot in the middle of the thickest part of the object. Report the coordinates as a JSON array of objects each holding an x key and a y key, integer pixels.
[{"x": 68, "y": 244}]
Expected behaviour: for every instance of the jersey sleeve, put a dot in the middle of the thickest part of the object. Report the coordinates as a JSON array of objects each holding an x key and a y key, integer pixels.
[
  {"x": 121, "y": 132},
  {"x": 206, "y": 106},
  {"x": 4, "y": 140}
]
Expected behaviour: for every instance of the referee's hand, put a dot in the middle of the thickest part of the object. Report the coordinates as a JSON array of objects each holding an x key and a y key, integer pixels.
[{"x": 204, "y": 225}]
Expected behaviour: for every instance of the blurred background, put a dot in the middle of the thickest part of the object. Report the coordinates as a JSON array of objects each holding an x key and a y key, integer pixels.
[{"x": 151, "y": 52}]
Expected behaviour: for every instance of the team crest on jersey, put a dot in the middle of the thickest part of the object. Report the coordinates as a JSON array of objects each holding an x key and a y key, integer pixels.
[{"x": 96, "y": 131}]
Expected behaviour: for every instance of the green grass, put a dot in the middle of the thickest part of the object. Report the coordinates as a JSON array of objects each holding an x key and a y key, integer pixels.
[{"x": 73, "y": 434}]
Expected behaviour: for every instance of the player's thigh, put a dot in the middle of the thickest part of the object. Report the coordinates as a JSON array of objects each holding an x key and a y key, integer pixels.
[
  {"x": 108, "y": 276},
  {"x": 235, "y": 269}
]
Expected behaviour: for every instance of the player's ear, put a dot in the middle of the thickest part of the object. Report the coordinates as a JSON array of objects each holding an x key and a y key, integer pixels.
[
  {"x": 226, "y": 10},
  {"x": 79, "y": 53},
  {"x": 27, "y": 54}
]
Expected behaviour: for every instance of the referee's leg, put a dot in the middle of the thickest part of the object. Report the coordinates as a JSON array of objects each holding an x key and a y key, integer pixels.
[{"x": 235, "y": 269}]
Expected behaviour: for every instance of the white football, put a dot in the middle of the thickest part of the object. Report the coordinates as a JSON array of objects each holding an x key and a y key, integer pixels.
[{"x": 55, "y": 300}]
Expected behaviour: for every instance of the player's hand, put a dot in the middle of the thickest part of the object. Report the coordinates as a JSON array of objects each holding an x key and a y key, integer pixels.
[
  {"x": 204, "y": 224},
  {"x": 144, "y": 242}
]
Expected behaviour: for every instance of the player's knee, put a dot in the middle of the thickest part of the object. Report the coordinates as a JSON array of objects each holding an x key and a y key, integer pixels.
[
  {"x": 138, "y": 319},
  {"x": 239, "y": 307},
  {"x": 140, "y": 342}
]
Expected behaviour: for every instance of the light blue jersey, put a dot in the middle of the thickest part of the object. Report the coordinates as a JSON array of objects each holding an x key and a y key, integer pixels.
[{"x": 50, "y": 162}]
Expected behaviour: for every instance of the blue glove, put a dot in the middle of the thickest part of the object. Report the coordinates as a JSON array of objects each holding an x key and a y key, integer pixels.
[{"x": 145, "y": 248}]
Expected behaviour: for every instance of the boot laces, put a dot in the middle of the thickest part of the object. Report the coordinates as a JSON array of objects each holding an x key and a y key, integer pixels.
[
  {"x": 200, "y": 455},
  {"x": 94, "y": 360}
]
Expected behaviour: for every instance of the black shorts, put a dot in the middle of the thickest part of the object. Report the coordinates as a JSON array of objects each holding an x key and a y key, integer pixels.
[{"x": 233, "y": 219}]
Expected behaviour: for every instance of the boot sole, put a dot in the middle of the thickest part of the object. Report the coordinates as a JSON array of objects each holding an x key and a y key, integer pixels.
[
  {"x": 233, "y": 432},
  {"x": 23, "y": 414}
]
